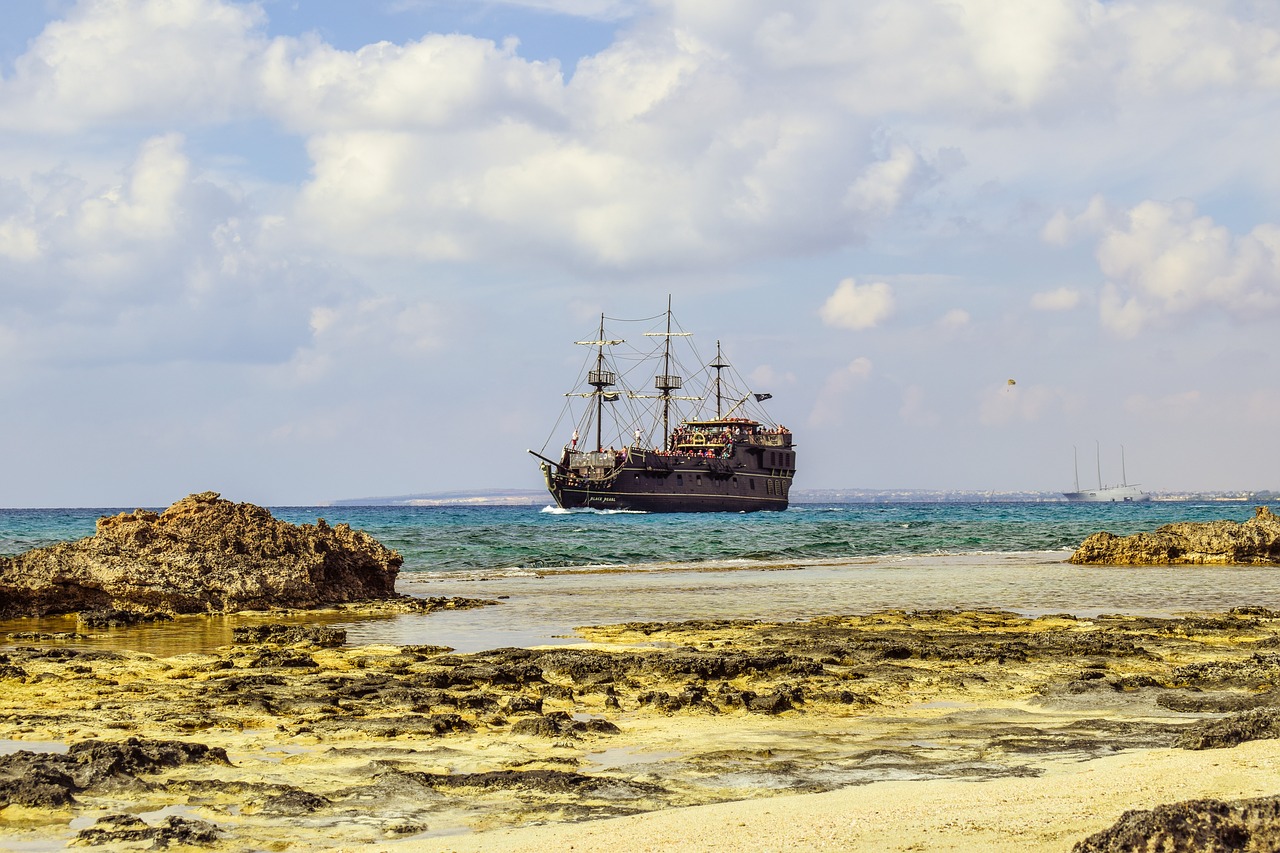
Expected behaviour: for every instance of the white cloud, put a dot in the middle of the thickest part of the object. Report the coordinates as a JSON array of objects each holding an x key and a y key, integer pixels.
[
  {"x": 184, "y": 191},
  {"x": 857, "y": 306},
  {"x": 153, "y": 265},
  {"x": 705, "y": 132},
  {"x": 884, "y": 185},
  {"x": 1059, "y": 299},
  {"x": 136, "y": 61},
  {"x": 1163, "y": 260},
  {"x": 146, "y": 207},
  {"x": 1062, "y": 229},
  {"x": 601, "y": 10},
  {"x": 440, "y": 82}
]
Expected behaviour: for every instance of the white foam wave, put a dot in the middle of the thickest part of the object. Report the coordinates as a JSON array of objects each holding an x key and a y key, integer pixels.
[{"x": 559, "y": 510}]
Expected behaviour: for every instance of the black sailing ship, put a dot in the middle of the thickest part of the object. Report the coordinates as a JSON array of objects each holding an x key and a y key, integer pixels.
[{"x": 735, "y": 461}]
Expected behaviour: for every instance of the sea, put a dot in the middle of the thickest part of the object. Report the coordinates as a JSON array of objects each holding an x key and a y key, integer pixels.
[{"x": 551, "y": 570}]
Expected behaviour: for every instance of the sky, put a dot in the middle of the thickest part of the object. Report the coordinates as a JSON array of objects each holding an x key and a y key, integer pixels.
[{"x": 296, "y": 251}]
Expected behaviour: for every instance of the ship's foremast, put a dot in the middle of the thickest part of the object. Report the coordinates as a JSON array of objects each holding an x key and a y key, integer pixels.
[{"x": 599, "y": 379}]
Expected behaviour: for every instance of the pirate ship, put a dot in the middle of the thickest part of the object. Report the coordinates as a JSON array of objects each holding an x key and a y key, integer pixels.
[{"x": 735, "y": 460}]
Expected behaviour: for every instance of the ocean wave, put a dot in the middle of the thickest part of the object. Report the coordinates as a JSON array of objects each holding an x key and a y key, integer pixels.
[
  {"x": 582, "y": 510},
  {"x": 771, "y": 563}
]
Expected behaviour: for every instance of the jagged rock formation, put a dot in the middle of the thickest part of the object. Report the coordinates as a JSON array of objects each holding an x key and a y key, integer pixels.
[
  {"x": 203, "y": 554},
  {"x": 1256, "y": 542}
]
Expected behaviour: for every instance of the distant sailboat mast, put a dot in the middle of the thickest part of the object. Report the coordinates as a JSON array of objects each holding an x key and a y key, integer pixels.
[{"x": 1121, "y": 492}]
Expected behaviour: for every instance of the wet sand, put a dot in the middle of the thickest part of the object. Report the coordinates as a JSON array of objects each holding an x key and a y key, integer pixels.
[{"x": 939, "y": 729}]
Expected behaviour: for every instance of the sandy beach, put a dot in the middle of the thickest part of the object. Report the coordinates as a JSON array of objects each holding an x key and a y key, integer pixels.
[{"x": 1051, "y": 812}]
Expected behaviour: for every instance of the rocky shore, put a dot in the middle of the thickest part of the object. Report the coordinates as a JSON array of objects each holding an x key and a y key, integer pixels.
[
  {"x": 1253, "y": 542},
  {"x": 201, "y": 555},
  {"x": 288, "y": 739}
]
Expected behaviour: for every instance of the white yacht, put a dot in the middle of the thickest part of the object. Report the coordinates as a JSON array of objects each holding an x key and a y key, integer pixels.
[{"x": 1123, "y": 493}]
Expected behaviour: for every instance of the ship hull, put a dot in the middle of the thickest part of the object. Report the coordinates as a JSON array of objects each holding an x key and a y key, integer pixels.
[
  {"x": 644, "y": 481},
  {"x": 636, "y": 501}
]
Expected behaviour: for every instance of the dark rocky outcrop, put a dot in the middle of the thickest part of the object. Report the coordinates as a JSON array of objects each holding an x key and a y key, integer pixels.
[
  {"x": 1255, "y": 724},
  {"x": 203, "y": 554},
  {"x": 559, "y": 724},
  {"x": 119, "y": 829},
  {"x": 1255, "y": 542},
  {"x": 1194, "y": 826},
  {"x": 549, "y": 781},
  {"x": 51, "y": 780},
  {"x": 113, "y": 618},
  {"x": 320, "y": 636}
]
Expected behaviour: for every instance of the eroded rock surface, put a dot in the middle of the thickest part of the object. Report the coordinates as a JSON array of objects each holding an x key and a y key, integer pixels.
[
  {"x": 50, "y": 780},
  {"x": 1255, "y": 724},
  {"x": 203, "y": 554},
  {"x": 371, "y": 743},
  {"x": 320, "y": 636},
  {"x": 1254, "y": 542},
  {"x": 129, "y": 829},
  {"x": 1194, "y": 826}
]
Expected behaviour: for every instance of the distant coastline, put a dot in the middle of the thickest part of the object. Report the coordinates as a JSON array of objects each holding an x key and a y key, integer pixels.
[{"x": 539, "y": 497}]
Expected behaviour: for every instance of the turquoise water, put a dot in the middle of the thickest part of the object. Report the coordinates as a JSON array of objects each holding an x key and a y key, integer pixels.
[
  {"x": 497, "y": 539},
  {"x": 553, "y": 571}
]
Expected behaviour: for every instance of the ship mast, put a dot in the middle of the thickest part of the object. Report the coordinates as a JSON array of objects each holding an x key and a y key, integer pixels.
[
  {"x": 719, "y": 364},
  {"x": 666, "y": 382},
  {"x": 600, "y": 379}
]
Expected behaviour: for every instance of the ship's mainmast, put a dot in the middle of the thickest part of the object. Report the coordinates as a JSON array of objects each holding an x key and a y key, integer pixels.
[
  {"x": 666, "y": 381},
  {"x": 719, "y": 364}
]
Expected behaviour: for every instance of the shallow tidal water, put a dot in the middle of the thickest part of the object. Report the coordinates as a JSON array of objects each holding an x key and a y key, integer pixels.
[{"x": 543, "y": 608}]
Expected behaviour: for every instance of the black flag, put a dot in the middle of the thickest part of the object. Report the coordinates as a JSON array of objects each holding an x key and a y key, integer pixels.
[
  {"x": 760, "y": 398},
  {"x": 612, "y": 397}
]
